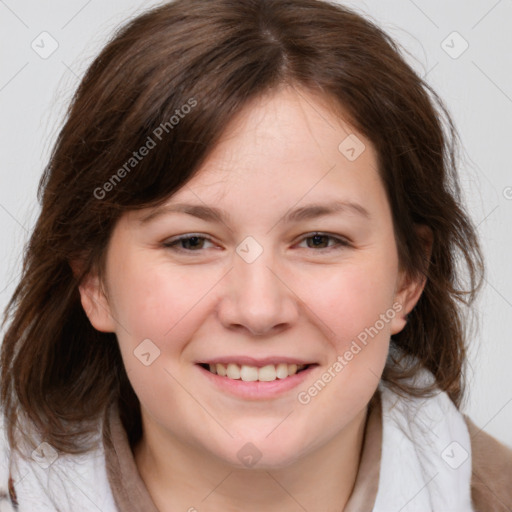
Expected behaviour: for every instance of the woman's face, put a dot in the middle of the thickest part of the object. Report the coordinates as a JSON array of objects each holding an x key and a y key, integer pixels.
[{"x": 288, "y": 257}]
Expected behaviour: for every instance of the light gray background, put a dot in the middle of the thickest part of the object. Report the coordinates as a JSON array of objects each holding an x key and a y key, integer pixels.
[{"x": 476, "y": 86}]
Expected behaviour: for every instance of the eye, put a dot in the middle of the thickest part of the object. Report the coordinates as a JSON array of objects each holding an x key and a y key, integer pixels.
[
  {"x": 195, "y": 242},
  {"x": 189, "y": 243},
  {"x": 321, "y": 241}
]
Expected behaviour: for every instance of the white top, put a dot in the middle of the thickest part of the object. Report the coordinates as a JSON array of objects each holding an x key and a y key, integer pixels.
[{"x": 425, "y": 465}]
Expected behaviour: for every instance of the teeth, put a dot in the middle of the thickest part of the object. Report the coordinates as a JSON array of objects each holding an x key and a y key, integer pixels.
[
  {"x": 233, "y": 371},
  {"x": 269, "y": 373},
  {"x": 246, "y": 373},
  {"x": 249, "y": 373},
  {"x": 282, "y": 371}
]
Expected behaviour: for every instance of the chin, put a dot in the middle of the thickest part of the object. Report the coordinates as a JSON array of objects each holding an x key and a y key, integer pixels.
[{"x": 262, "y": 453}]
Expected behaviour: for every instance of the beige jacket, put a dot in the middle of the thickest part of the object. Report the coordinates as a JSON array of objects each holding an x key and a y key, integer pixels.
[
  {"x": 491, "y": 483},
  {"x": 119, "y": 486}
]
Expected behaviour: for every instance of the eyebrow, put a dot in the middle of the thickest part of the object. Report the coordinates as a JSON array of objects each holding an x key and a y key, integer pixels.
[{"x": 211, "y": 213}]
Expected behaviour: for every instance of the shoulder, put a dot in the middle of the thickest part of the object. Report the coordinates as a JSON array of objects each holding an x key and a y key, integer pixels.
[
  {"x": 8, "y": 499},
  {"x": 491, "y": 482},
  {"x": 48, "y": 481}
]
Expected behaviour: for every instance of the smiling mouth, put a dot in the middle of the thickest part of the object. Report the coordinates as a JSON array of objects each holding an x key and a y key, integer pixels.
[{"x": 267, "y": 373}]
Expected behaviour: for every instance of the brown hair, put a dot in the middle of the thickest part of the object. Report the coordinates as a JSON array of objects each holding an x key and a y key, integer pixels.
[{"x": 215, "y": 56}]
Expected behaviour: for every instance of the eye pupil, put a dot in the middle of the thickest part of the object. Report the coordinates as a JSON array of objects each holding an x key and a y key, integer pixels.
[
  {"x": 192, "y": 241},
  {"x": 319, "y": 240}
]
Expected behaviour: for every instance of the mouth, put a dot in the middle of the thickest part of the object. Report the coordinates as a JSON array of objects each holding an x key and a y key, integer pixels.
[
  {"x": 256, "y": 380},
  {"x": 249, "y": 373}
]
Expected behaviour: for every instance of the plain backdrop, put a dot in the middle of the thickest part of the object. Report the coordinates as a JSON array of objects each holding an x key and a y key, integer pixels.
[{"x": 462, "y": 47}]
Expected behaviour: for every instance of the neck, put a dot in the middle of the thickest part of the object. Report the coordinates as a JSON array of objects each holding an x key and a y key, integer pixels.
[{"x": 183, "y": 477}]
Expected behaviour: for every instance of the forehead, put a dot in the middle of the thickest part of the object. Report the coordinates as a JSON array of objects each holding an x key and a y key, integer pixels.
[
  {"x": 289, "y": 141},
  {"x": 285, "y": 150},
  {"x": 287, "y": 125}
]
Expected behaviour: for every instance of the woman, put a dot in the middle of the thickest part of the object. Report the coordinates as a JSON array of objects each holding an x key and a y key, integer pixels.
[{"x": 242, "y": 290}]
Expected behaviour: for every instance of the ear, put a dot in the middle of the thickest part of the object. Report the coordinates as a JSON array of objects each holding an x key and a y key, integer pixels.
[
  {"x": 409, "y": 288},
  {"x": 94, "y": 300}
]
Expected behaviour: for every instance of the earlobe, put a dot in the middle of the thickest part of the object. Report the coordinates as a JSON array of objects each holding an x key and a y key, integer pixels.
[
  {"x": 405, "y": 301},
  {"x": 411, "y": 287},
  {"x": 95, "y": 303}
]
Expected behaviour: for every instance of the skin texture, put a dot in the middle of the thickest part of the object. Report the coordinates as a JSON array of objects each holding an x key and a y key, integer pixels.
[{"x": 295, "y": 299}]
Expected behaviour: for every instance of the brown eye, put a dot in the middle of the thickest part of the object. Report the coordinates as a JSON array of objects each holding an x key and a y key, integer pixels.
[
  {"x": 318, "y": 241},
  {"x": 191, "y": 243},
  {"x": 322, "y": 241}
]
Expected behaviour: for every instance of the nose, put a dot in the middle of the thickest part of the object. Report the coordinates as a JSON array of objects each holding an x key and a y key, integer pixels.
[{"x": 257, "y": 297}]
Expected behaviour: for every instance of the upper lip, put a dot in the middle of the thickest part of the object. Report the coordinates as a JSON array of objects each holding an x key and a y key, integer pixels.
[{"x": 253, "y": 361}]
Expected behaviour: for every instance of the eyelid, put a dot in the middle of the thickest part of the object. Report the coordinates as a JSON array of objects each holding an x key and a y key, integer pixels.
[
  {"x": 340, "y": 240},
  {"x": 186, "y": 236}
]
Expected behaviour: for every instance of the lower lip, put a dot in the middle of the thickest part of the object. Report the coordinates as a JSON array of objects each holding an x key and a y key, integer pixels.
[{"x": 257, "y": 390}]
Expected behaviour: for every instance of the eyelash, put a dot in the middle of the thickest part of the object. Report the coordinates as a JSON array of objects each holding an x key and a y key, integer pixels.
[{"x": 340, "y": 242}]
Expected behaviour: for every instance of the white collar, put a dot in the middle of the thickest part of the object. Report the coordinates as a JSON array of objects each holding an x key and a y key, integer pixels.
[
  {"x": 426, "y": 454},
  {"x": 425, "y": 464}
]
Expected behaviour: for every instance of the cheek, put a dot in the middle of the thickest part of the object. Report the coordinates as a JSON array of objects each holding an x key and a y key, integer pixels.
[
  {"x": 355, "y": 303},
  {"x": 153, "y": 296},
  {"x": 161, "y": 302},
  {"x": 352, "y": 298},
  {"x": 154, "y": 301}
]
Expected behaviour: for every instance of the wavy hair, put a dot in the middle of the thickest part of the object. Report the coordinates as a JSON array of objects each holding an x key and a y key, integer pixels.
[{"x": 59, "y": 372}]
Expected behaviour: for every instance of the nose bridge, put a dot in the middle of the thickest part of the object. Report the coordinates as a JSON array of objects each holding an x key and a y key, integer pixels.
[{"x": 257, "y": 299}]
